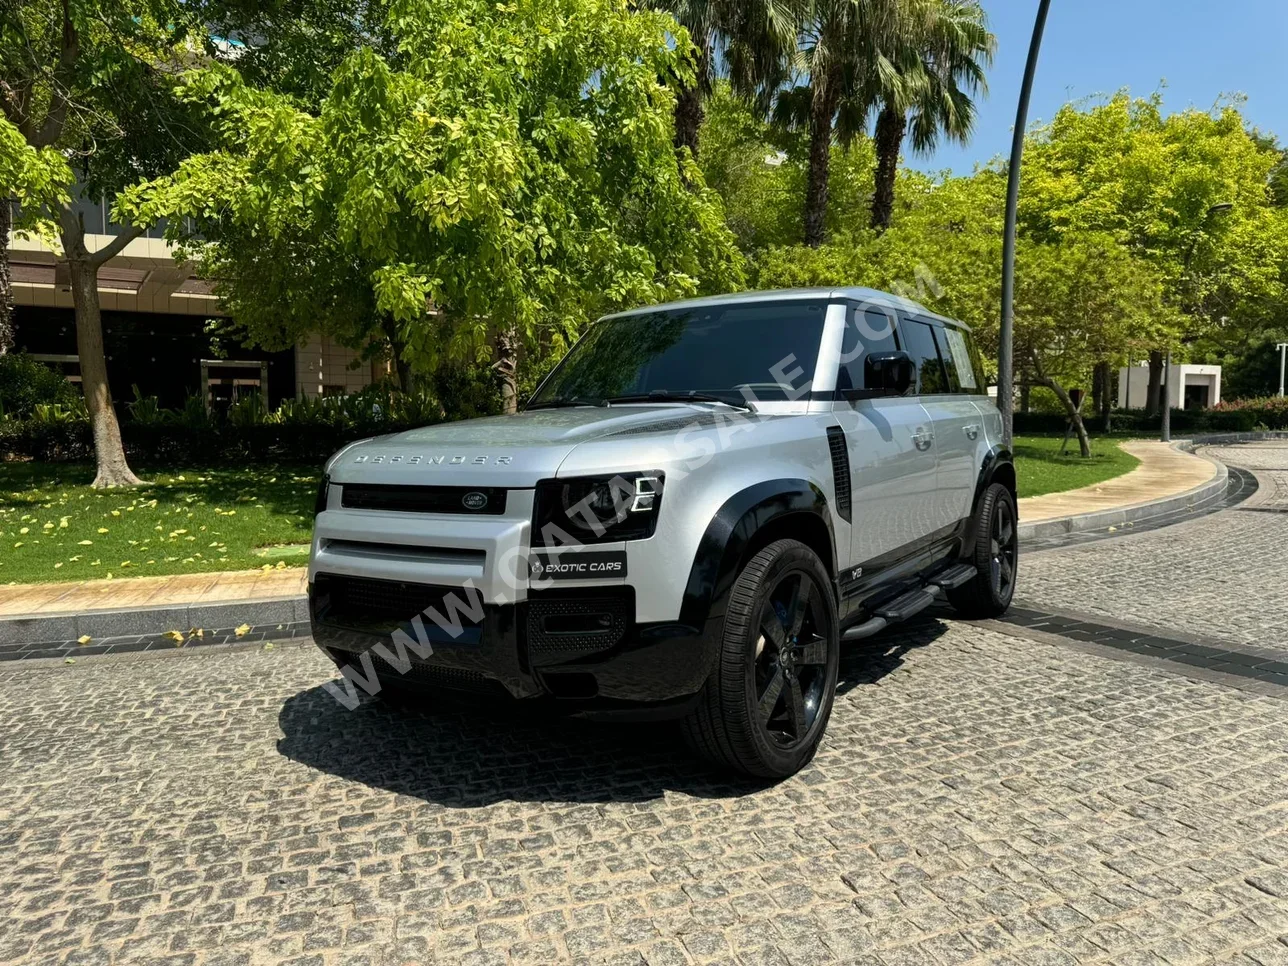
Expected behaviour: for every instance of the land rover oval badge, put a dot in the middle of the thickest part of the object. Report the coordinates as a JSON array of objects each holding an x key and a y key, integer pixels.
[{"x": 474, "y": 500}]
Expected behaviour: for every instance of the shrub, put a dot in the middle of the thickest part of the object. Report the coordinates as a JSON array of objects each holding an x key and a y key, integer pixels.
[{"x": 26, "y": 384}]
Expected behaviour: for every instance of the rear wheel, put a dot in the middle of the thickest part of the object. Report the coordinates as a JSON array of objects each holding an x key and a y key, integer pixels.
[
  {"x": 764, "y": 709},
  {"x": 996, "y": 557}
]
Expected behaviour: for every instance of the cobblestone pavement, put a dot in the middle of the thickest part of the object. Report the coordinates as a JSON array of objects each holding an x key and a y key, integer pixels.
[
  {"x": 978, "y": 797},
  {"x": 1221, "y": 576}
]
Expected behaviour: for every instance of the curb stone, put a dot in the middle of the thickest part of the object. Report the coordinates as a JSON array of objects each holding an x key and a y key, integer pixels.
[
  {"x": 1192, "y": 499},
  {"x": 144, "y": 621}
]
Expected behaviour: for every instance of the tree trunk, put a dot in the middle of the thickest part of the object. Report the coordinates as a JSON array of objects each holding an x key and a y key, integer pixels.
[
  {"x": 1106, "y": 408},
  {"x": 397, "y": 347},
  {"x": 689, "y": 114},
  {"x": 6, "y": 279},
  {"x": 1084, "y": 442},
  {"x": 891, "y": 128},
  {"x": 1153, "y": 394},
  {"x": 1026, "y": 391},
  {"x": 108, "y": 448},
  {"x": 507, "y": 367},
  {"x": 820, "y": 159}
]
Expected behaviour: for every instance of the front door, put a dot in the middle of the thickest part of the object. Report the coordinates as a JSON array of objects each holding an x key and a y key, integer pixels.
[{"x": 892, "y": 459}]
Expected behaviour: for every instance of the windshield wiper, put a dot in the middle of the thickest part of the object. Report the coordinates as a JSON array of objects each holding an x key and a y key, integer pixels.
[
  {"x": 664, "y": 395},
  {"x": 563, "y": 403}
]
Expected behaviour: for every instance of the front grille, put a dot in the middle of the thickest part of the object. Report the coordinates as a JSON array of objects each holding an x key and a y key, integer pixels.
[
  {"x": 566, "y": 626},
  {"x": 366, "y": 603},
  {"x": 474, "y": 500}
]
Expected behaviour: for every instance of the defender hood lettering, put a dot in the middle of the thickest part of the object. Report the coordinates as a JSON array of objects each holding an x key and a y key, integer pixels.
[{"x": 508, "y": 451}]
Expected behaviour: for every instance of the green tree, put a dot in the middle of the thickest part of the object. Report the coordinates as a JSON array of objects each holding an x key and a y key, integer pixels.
[
  {"x": 843, "y": 43},
  {"x": 37, "y": 179},
  {"x": 1083, "y": 301},
  {"x": 1177, "y": 190},
  {"x": 514, "y": 176},
  {"x": 93, "y": 82},
  {"x": 938, "y": 68},
  {"x": 753, "y": 39}
]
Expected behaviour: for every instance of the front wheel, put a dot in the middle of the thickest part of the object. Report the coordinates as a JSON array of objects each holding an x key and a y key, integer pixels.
[
  {"x": 996, "y": 557},
  {"x": 764, "y": 709}
]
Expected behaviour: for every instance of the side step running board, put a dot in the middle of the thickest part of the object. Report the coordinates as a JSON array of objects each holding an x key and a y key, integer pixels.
[
  {"x": 911, "y": 603},
  {"x": 954, "y": 577}
]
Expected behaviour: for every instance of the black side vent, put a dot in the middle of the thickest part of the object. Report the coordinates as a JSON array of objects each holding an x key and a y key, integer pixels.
[{"x": 840, "y": 470}]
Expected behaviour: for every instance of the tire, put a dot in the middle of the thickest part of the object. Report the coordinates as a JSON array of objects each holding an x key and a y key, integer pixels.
[
  {"x": 996, "y": 558},
  {"x": 762, "y": 661}
]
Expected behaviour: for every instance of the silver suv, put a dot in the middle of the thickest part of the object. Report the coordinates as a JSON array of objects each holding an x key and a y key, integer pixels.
[{"x": 697, "y": 508}]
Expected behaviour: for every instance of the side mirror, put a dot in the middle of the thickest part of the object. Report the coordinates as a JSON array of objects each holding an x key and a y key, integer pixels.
[{"x": 889, "y": 373}]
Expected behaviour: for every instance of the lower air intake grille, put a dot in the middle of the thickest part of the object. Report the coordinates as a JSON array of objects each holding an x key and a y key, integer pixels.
[
  {"x": 364, "y": 602},
  {"x": 840, "y": 470},
  {"x": 569, "y": 627}
]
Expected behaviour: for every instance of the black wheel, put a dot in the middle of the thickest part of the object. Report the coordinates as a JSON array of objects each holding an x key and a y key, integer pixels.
[
  {"x": 765, "y": 707},
  {"x": 996, "y": 557}
]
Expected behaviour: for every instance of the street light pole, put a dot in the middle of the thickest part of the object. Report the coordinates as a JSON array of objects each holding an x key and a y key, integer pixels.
[
  {"x": 1282, "y": 347},
  {"x": 1167, "y": 398},
  {"x": 1006, "y": 332}
]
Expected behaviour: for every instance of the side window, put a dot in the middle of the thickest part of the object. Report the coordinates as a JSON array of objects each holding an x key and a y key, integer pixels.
[
  {"x": 866, "y": 331},
  {"x": 962, "y": 359},
  {"x": 919, "y": 343}
]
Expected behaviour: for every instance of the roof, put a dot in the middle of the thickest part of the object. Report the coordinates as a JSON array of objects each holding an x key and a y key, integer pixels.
[{"x": 853, "y": 293}]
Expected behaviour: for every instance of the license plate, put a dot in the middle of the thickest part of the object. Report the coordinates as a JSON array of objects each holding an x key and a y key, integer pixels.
[{"x": 594, "y": 565}]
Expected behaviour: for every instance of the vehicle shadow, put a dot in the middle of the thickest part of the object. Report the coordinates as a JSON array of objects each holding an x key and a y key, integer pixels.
[
  {"x": 867, "y": 662},
  {"x": 476, "y": 757}
]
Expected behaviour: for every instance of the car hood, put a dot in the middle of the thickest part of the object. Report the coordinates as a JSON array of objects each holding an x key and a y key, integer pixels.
[{"x": 507, "y": 451}]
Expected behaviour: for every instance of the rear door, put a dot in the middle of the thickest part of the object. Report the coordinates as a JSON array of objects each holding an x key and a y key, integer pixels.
[
  {"x": 936, "y": 349},
  {"x": 894, "y": 474}
]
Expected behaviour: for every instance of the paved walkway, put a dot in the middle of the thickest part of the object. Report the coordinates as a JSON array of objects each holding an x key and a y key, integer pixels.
[
  {"x": 1163, "y": 472},
  {"x": 90, "y": 595},
  {"x": 1221, "y": 576},
  {"x": 979, "y": 798}
]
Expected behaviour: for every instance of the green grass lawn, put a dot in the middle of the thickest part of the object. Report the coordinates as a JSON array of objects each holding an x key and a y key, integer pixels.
[
  {"x": 1041, "y": 469},
  {"x": 53, "y": 527}
]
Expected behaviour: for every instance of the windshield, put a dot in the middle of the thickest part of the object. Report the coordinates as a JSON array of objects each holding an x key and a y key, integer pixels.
[{"x": 760, "y": 350}]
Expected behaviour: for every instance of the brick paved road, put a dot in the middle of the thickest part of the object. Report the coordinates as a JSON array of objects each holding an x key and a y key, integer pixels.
[
  {"x": 979, "y": 796},
  {"x": 1221, "y": 576}
]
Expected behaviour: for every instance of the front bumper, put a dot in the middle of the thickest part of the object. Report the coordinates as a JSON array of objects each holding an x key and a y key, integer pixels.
[{"x": 580, "y": 648}]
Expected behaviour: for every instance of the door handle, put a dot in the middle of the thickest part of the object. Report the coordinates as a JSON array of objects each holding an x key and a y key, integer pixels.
[
  {"x": 972, "y": 431},
  {"x": 923, "y": 441}
]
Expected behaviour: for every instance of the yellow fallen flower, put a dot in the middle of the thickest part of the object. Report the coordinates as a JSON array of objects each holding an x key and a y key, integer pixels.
[{"x": 242, "y": 631}]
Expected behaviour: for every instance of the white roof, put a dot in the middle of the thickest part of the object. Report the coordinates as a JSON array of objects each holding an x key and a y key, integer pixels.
[{"x": 854, "y": 294}]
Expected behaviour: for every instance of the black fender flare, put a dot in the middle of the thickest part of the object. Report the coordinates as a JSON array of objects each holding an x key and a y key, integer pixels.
[
  {"x": 998, "y": 467},
  {"x": 732, "y": 532}
]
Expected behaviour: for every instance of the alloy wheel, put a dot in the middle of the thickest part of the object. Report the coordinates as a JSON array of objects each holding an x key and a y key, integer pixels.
[
  {"x": 791, "y": 659},
  {"x": 1002, "y": 550}
]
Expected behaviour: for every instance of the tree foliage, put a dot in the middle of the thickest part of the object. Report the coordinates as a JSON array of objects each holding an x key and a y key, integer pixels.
[{"x": 511, "y": 179}]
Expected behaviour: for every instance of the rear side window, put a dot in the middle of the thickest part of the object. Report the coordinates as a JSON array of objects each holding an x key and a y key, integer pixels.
[
  {"x": 961, "y": 359},
  {"x": 919, "y": 343},
  {"x": 867, "y": 331}
]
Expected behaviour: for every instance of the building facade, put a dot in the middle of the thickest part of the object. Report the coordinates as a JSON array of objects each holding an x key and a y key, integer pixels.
[
  {"x": 1193, "y": 387},
  {"x": 156, "y": 328}
]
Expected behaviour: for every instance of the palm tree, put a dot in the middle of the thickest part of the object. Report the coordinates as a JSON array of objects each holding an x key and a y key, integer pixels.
[
  {"x": 939, "y": 63},
  {"x": 843, "y": 46},
  {"x": 752, "y": 39}
]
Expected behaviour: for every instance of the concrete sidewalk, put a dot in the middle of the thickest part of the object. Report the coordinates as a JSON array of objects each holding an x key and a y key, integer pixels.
[{"x": 1166, "y": 473}]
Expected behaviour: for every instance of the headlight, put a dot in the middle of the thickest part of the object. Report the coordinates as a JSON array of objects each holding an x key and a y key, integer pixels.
[
  {"x": 597, "y": 509},
  {"x": 324, "y": 490}
]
